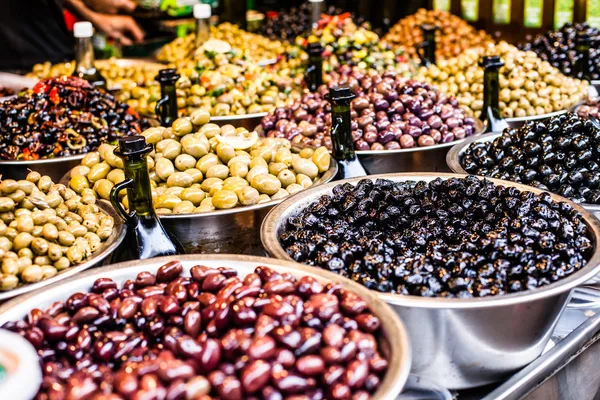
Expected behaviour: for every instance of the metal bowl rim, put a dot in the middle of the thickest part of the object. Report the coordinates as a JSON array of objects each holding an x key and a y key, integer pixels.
[
  {"x": 327, "y": 177},
  {"x": 107, "y": 248},
  {"x": 238, "y": 117},
  {"x": 536, "y": 117},
  {"x": 453, "y": 161},
  {"x": 275, "y": 219},
  {"x": 43, "y": 161},
  {"x": 395, "y": 330}
]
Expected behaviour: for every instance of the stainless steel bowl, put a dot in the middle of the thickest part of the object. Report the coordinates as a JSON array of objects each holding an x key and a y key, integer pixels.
[
  {"x": 393, "y": 339},
  {"x": 518, "y": 121},
  {"x": 107, "y": 248},
  {"x": 456, "y": 153},
  {"x": 234, "y": 231},
  {"x": 55, "y": 168},
  {"x": 15, "y": 82},
  {"x": 248, "y": 121},
  {"x": 463, "y": 343},
  {"x": 127, "y": 63}
]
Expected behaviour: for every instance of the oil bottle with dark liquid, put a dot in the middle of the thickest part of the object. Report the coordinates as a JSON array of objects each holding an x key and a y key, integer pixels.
[
  {"x": 341, "y": 134},
  {"x": 490, "y": 115},
  {"x": 84, "y": 55},
  {"x": 146, "y": 237}
]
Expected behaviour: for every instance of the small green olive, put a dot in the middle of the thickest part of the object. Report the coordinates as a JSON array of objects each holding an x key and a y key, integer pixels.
[
  {"x": 62, "y": 263},
  {"x": 167, "y": 201},
  {"x": 306, "y": 153},
  {"x": 305, "y": 166},
  {"x": 153, "y": 135},
  {"x": 182, "y": 126},
  {"x": 90, "y": 159},
  {"x": 179, "y": 179},
  {"x": 195, "y": 147},
  {"x": 103, "y": 188},
  {"x": 258, "y": 161},
  {"x": 185, "y": 161},
  {"x": 8, "y": 282},
  {"x": 258, "y": 170},
  {"x": 294, "y": 188},
  {"x": 33, "y": 176},
  {"x": 217, "y": 171},
  {"x": 210, "y": 183},
  {"x": 281, "y": 193},
  {"x": 239, "y": 169},
  {"x": 65, "y": 238},
  {"x": 22, "y": 240},
  {"x": 18, "y": 196},
  {"x": 32, "y": 274},
  {"x": 210, "y": 130},
  {"x": 116, "y": 176},
  {"x": 224, "y": 199},
  {"x": 193, "y": 195},
  {"x": 78, "y": 183},
  {"x": 225, "y": 152},
  {"x": 54, "y": 252},
  {"x": 185, "y": 207},
  {"x": 284, "y": 155},
  {"x": 164, "y": 168},
  {"x": 206, "y": 162},
  {"x": 275, "y": 168},
  {"x": 247, "y": 195},
  {"x": 263, "y": 198},
  {"x": 200, "y": 117},
  {"x": 304, "y": 180},
  {"x": 7, "y": 186},
  {"x": 322, "y": 159},
  {"x": 266, "y": 184}
]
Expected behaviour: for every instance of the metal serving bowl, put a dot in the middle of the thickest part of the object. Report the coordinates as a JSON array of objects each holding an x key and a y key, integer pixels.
[
  {"x": 248, "y": 121},
  {"x": 234, "y": 231},
  {"x": 107, "y": 248},
  {"x": 456, "y": 153},
  {"x": 463, "y": 343},
  {"x": 393, "y": 339},
  {"x": 127, "y": 63},
  {"x": 55, "y": 168}
]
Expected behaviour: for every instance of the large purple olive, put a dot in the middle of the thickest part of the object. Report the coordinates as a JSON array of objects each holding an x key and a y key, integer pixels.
[
  {"x": 425, "y": 140},
  {"x": 268, "y": 123},
  {"x": 447, "y": 137},
  {"x": 392, "y": 145},
  {"x": 377, "y": 146},
  {"x": 435, "y": 121},
  {"x": 385, "y": 136},
  {"x": 281, "y": 124},
  {"x": 364, "y": 121},
  {"x": 416, "y": 121},
  {"x": 370, "y": 137},
  {"x": 396, "y": 117},
  {"x": 425, "y": 114},
  {"x": 360, "y": 103},
  {"x": 436, "y": 135},
  {"x": 382, "y": 124},
  {"x": 407, "y": 141},
  {"x": 357, "y": 134},
  {"x": 453, "y": 122},
  {"x": 381, "y": 105},
  {"x": 425, "y": 128},
  {"x": 397, "y": 107},
  {"x": 361, "y": 145},
  {"x": 459, "y": 132},
  {"x": 414, "y": 131}
]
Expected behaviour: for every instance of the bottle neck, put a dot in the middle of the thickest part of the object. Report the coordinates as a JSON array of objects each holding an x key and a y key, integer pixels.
[
  {"x": 491, "y": 94},
  {"x": 316, "y": 12},
  {"x": 429, "y": 50},
  {"x": 341, "y": 132},
  {"x": 316, "y": 72},
  {"x": 84, "y": 55},
  {"x": 202, "y": 31},
  {"x": 140, "y": 195},
  {"x": 582, "y": 49},
  {"x": 169, "y": 91}
]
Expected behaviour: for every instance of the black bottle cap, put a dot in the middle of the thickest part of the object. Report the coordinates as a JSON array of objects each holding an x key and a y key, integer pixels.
[
  {"x": 429, "y": 28},
  {"x": 340, "y": 93},
  {"x": 132, "y": 145},
  {"x": 315, "y": 48},
  {"x": 167, "y": 75},
  {"x": 491, "y": 62}
]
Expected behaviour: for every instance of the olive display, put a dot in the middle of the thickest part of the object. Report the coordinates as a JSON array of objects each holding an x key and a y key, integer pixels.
[
  {"x": 116, "y": 72},
  {"x": 349, "y": 43},
  {"x": 459, "y": 237},
  {"x": 558, "y": 48},
  {"x": 46, "y": 228},
  {"x": 454, "y": 35},
  {"x": 288, "y": 24},
  {"x": 559, "y": 154},
  {"x": 390, "y": 112},
  {"x": 212, "y": 334},
  {"x": 590, "y": 108},
  {"x": 199, "y": 167},
  {"x": 62, "y": 117},
  {"x": 222, "y": 83},
  {"x": 528, "y": 85},
  {"x": 255, "y": 47}
]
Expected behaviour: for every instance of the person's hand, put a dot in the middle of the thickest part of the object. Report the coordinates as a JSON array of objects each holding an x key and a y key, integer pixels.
[
  {"x": 119, "y": 27},
  {"x": 110, "y": 6}
]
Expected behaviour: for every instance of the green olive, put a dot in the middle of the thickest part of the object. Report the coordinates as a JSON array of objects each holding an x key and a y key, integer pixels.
[
  {"x": 275, "y": 168},
  {"x": 224, "y": 199},
  {"x": 206, "y": 162},
  {"x": 281, "y": 193},
  {"x": 196, "y": 147},
  {"x": 10, "y": 266},
  {"x": 65, "y": 238},
  {"x": 32, "y": 274},
  {"x": 8, "y": 186},
  {"x": 304, "y": 180},
  {"x": 62, "y": 263},
  {"x": 210, "y": 183},
  {"x": 185, "y": 207},
  {"x": 294, "y": 188},
  {"x": 247, "y": 195},
  {"x": 305, "y": 166},
  {"x": 48, "y": 271},
  {"x": 263, "y": 198},
  {"x": 54, "y": 252},
  {"x": 90, "y": 159},
  {"x": 53, "y": 199},
  {"x": 17, "y": 196},
  {"x": 238, "y": 168},
  {"x": 164, "y": 168},
  {"x": 284, "y": 155},
  {"x": 167, "y": 201},
  {"x": 217, "y": 171},
  {"x": 185, "y": 161},
  {"x": 306, "y": 153},
  {"x": 193, "y": 195},
  {"x": 26, "y": 186},
  {"x": 266, "y": 184},
  {"x": 286, "y": 177},
  {"x": 234, "y": 182},
  {"x": 22, "y": 240},
  {"x": 78, "y": 183},
  {"x": 39, "y": 246},
  {"x": 103, "y": 188},
  {"x": 225, "y": 152},
  {"x": 116, "y": 176},
  {"x": 75, "y": 254},
  {"x": 8, "y": 282},
  {"x": 182, "y": 126},
  {"x": 153, "y": 135},
  {"x": 179, "y": 179},
  {"x": 200, "y": 116},
  {"x": 258, "y": 161},
  {"x": 264, "y": 152},
  {"x": 322, "y": 159},
  {"x": 33, "y": 176}
]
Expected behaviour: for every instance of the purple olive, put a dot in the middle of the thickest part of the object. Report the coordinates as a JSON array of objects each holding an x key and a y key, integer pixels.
[
  {"x": 436, "y": 135},
  {"x": 469, "y": 121},
  {"x": 469, "y": 130},
  {"x": 396, "y": 117},
  {"x": 425, "y": 128},
  {"x": 414, "y": 131},
  {"x": 434, "y": 121},
  {"x": 361, "y": 145},
  {"x": 385, "y": 136},
  {"x": 425, "y": 114},
  {"x": 425, "y": 140},
  {"x": 397, "y": 107},
  {"x": 382, "y": 124},
  {"x": 357, "y": 134},
  {"x": 370, "y": 137},
  {"x": 459, "y": 132},
  {"x": 447, "y": 137},
  {"x": 377, "y": 146},
  {"x": 392, "y": 145},
  {"x": 364, "y": 121},
  {"x": 407, "y": 141},
  {"x": 416, "y": 121}
]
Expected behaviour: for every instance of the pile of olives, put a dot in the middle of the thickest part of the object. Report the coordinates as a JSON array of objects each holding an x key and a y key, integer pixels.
[
  {"x": 347, "y": 43},
  {"x": 558, "y": 48},
  {"x": 560, "y": 154},
  {"x": 222, "y": 83},
  {"x": 529, "y": 86},
  {"x": 116, "y": 72},
  {"x": 46, "y": 228},
  {"x": 198, "y": 167},
  {"x": 590, "y": 108},
  {"x": 288, "y": 24},
  {"x": 454, "y": 34},
  {"x": 458, "y": 237},
  {"x": 62, "y": 117},
  {"x": 390, "y": 112},
  {"x": 255, "y": 47}
]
